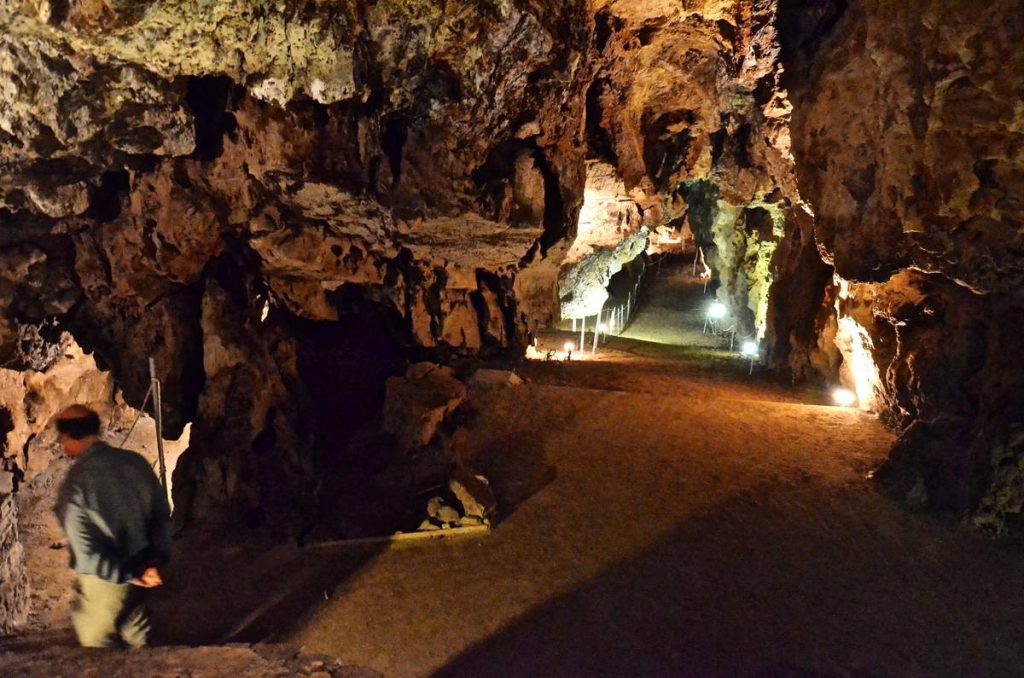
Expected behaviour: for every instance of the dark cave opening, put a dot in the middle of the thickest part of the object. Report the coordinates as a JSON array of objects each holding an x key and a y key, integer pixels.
[
  {"x": 6, "y": 426},
  {"x": 106, "y": 199},
  {"x": 394, "y": 134},
  {"x": 209, "y": 99},
  {"x": 599, "y": 141}
]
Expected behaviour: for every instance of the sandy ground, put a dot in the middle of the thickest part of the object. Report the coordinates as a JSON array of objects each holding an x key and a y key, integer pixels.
[
  {"x": 663, "y": 513},
  {"x": 669, "y": 515}
]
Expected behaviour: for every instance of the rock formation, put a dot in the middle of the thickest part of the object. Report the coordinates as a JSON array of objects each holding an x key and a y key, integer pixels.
[
  {"x": 14, "y": 594},
  {"x": 907, "y": 135},
  {"x": 285, "y": 204}
]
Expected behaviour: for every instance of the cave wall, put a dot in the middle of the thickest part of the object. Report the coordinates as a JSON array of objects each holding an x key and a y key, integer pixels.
[
  {"x": 613, "y": 230},
  {"x": 285, "y": 203},
  {"x": 14, "y": 588},
  {"x": 216, "y": 186},
  {"x": 907, "y": 135},
  {"x": 686, "y": 104},
  {"x": 213, "y": 184}
]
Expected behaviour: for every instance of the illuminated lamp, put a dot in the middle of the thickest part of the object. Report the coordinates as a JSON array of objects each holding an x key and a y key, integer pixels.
[{"x": 844, "y": 397}]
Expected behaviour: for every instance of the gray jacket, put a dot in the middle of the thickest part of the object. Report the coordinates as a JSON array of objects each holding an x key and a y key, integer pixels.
[{"x": 114, "y": 513}]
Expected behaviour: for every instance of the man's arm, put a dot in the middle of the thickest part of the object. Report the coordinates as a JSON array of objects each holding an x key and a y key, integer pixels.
[{"x": 90, "y": 546}]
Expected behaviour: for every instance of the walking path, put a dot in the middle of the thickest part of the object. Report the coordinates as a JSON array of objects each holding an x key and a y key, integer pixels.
[
  {"x": 664, "y": 513},
  {"x": 674, "y": 516}
]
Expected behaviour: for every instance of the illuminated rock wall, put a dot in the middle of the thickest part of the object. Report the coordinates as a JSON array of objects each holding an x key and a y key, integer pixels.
[
  {"x": 907, "y": 134},
  {"x": 282, "y": 203},
  {"x": 285, "y": 203},
  {"x": 611, "y": 233}
]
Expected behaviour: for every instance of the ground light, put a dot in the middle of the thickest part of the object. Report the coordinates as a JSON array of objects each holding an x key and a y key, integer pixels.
[
  {"x": 844, "y": 397},
  {"x": 750, "y": 350},
  {"x": 716, "y": 311},
  {"x": 569, "y": 348}
]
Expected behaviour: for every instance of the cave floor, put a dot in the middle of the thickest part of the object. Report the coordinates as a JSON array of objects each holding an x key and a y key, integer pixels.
[
  {"x": 668, "y": 514},
  {"x": 663, "y": 513}
]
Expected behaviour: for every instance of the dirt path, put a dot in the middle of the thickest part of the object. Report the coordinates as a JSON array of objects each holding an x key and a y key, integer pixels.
[
  {"x": 674, "y": 517},
  {"x": 664, "y": 513}
]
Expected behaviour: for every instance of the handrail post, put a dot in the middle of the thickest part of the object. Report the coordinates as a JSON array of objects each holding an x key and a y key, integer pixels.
[{"x": 158, "y": 418}]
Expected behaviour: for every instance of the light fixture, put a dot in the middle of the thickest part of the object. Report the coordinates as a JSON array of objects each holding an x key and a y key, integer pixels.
[
  {"x": 844, "y": 397},
  {"x": 569, "y": 347},
  {"x": 716, "y": 310},
  {"x": 749, "y": 348}
]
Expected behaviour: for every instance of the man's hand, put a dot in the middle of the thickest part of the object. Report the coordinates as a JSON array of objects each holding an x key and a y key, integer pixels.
[{"x": 150, "y": 578}]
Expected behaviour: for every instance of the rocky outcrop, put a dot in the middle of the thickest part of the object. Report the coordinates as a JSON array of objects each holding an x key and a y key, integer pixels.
[
  {"x": 285, "y": 204},
  {"x": 257, "y": 661},
  {"x": 14, "y": 593},
  {"x": 689, "y": 108},
  {"x": 54, "y": 375},
  {"x": 915, "y": 193},
  {"x": 163, "y": 160},
  {"x": 611, "y": 233},
  {"x": 416, "y": 405}
]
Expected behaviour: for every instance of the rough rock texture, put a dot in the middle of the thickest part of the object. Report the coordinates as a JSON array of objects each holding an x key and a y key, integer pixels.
[
  {"x": 416, "y": 405},
  {"x": 907, "y": 133},
  {"x": 611, "y": 233},
  {"x": 260, "y": 661},
  {"x": 172, "y": 172},
  {"x": 285, "y": 204},
  {"x": 178, "y": 184},
  {"x": 686, "y": 104},
  {"x": 14, "y": 591},
  {"x": 54, "y": 376}
]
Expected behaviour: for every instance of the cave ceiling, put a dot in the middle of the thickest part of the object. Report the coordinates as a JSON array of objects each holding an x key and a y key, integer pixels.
[{"x": 245, "y": 190}]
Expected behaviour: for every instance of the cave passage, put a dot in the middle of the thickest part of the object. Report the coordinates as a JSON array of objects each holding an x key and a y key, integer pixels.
[
  {"x": 673, "y": 307},
  {"x": 673, "y": 313},
  {"x": 532, "y": 337}
]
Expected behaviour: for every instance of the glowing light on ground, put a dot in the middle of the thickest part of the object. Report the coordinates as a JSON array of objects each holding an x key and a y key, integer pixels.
[
  {"x": 749, "y": 348},
  {"x": 844, "y": 397},
  {"x": 717, "y": 310},
  {"x": 859, "y": 369}
]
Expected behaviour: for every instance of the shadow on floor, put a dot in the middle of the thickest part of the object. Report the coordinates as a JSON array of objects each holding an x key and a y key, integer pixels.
[
  {"x": 243, "y": 588},
  {"x": 767, "y": 586}
]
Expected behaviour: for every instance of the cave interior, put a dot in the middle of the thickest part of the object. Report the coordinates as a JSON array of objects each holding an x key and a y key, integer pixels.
[{"x": 396, "y": 262}]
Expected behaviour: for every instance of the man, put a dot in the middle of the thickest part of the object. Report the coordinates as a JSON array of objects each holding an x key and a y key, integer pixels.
[{"x": 114, "y": 513}]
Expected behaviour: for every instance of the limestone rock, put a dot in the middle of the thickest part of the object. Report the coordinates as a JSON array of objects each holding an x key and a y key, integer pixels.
[
  {"x": 488, "y": 378},
  {"x": 912, "y": 190},
  {"x": 14, "y": 592},
  {"x": 611, "y": 233},
  {"x": 474, "y": 493},
  {"x": 441, "y": 513},
  {"x": 416, "y": 405},
  {"x": 282, "y": 203}
]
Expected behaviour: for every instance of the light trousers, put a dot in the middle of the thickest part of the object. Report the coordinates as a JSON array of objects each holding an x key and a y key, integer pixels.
[{"x": 108, "y": 615}]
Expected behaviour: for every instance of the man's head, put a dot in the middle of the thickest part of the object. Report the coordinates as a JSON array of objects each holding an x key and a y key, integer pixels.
[{"x": 79, "y": 427}]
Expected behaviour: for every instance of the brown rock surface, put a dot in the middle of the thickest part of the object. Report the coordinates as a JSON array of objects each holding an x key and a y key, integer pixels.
[
  {"x": 14, "y": 588},
  {"x": 286, "y": 203},
  {"x": 915, "y": 193}
]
